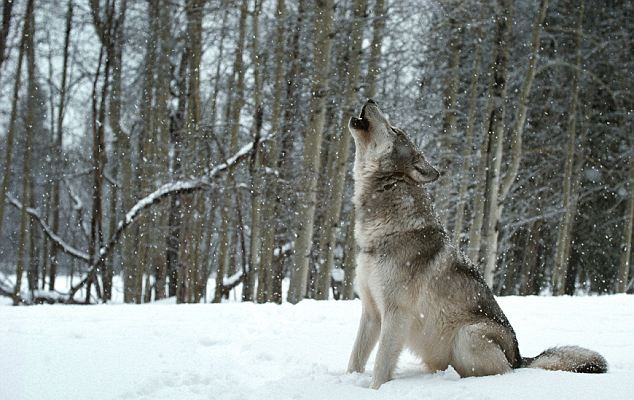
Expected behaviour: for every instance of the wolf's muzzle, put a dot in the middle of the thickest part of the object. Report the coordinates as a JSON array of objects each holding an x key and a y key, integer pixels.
[{"x": 359, "y": 123}]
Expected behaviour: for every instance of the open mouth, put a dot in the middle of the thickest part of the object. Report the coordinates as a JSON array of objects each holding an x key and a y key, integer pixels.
[{"x": 360, "y": 122}]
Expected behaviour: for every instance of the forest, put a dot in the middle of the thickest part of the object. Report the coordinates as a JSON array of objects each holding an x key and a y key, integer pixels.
[{"x": 199, "y": 149}]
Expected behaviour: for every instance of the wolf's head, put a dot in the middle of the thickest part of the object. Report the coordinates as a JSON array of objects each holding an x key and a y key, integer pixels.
[{"x": 384, "y": 149}]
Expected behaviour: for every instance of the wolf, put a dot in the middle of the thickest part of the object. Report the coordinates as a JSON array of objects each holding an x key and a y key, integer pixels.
[{"x": 417, "y": 290}]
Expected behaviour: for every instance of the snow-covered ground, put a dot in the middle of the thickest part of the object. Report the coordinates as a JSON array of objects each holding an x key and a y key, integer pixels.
[{"x": 247, "y": 351}]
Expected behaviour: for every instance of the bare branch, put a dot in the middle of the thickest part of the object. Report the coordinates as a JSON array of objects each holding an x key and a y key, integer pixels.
[
  {"x": 66, "y": 248},
  {"x": 167, "y": 190}
]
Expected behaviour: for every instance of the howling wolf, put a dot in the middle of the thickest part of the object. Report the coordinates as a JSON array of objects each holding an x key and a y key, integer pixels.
[{"x": 416, "y": 288}]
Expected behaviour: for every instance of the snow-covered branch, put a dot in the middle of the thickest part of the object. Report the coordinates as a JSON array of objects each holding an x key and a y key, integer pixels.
[
  {"x": 167, "y": 190},
  {"x": 66, "y": 248}
]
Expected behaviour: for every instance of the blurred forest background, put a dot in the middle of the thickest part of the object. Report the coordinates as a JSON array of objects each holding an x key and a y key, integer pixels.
[{"x": 190, "y": 148}]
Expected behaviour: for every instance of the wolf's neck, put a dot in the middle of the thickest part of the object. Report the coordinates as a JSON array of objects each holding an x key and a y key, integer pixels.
[{"x": 382, "y": 199}]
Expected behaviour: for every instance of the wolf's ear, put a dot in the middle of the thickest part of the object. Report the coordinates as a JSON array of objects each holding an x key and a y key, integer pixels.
[{"x": 422, "y": 171}]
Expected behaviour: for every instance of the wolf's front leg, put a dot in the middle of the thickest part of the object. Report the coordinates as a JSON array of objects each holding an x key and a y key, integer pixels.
[
  {"x": 367, "y": 336},
  {"x": 394, "y": 327}
]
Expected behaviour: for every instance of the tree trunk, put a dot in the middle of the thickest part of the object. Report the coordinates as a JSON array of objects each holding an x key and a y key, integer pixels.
[
  {"x": 188, "y": 268},
  {"x": 341, "y": 148},
  {"x": 347, "y": 291},
  {"x": 564, "y": 236},
  {"x": 175, "y": 214},
  {"x": 378, "y": 27},
  {"x": 496, "y": 189},
  {"x": 530, "y": 279},
  {"x": 622, "y": 277},
  {"x": 32, "y": 273},
  {"x": 448, "y": 134},
  {"x": 115, "y": 50},
  {"x": 248, "y": 289},
  {"x": 522, "y": 109},
  {"x": 28, "y": 44},
  {"x": 58, "y": 152},
  {"x": 494, "y": 139},
  {"x": 468, "y": 145},
  {"x": 10, "y": 136},
  {"x": 161, "y": 113},
  {"x": 233, "y": 119},
  {"x": 99, "y": 161},
  {"x": 284, "y": 163},
  {"x": 312, "y": 146},
  {"x": 475, "y": 230},
  {"x": 7, "y": 8}
]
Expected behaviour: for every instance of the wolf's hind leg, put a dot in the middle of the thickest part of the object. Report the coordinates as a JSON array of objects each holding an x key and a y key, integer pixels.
[
  {"x": 475, "y": 352},
  {"x": 367, "y": 336}
]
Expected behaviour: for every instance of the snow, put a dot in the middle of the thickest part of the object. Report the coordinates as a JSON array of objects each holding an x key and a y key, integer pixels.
[
  {"x": 287, "y": 247},
  {"x": 248, "y": 351},
  {"x": 145, "y": 202},
  {"x": 230, "y": 280}
]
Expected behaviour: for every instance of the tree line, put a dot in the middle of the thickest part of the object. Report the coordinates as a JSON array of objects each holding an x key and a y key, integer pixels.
[{"x": 168, "y": 142}]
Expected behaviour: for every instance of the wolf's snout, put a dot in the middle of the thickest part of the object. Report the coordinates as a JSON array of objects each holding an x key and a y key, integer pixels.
[{"x": 359, "y": 123}]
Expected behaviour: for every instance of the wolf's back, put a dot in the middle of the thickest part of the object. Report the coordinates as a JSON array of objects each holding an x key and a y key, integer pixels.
[{"x": 568, "y": 358}]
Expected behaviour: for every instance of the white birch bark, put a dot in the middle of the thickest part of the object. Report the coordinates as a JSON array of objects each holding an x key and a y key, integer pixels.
[{"x": 312, "y": 146}]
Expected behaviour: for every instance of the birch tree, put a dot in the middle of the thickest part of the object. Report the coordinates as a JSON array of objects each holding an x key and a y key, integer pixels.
[
  {"x": 256, "y": 190},
  {"x": 494, "y": 137},
  {"x": 312, "y": 146},
  {"x": 341, "y": 148},
  {"x": 562, "y": 250},
  {"x": 370, "y": 86},
  {"x": 496, "y": 189}
]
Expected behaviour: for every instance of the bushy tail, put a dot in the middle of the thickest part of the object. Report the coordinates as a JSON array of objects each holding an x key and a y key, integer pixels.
[{"x": 568, "y": 358}]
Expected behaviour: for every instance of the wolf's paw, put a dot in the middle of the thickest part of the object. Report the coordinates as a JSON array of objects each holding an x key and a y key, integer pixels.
[
  {"x": 375, "y": 384},
  {"x": 355, "y": 367}
]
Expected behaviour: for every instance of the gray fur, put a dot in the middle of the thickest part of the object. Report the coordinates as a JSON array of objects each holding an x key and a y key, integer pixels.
[
  {"x": 418, "y": 291},
  {"x": 569, "y": 358}
]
